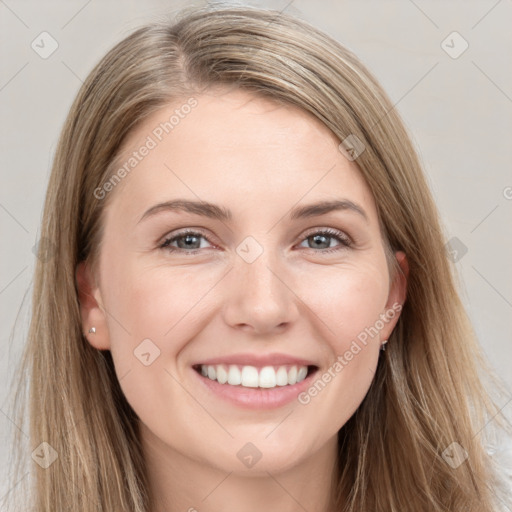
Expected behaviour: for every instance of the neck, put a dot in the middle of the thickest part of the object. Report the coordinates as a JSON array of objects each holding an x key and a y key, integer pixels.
[{"x": 180, "y": 484}]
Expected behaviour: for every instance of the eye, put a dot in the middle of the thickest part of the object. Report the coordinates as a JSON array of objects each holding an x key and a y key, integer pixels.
[
  {"x": 322, "y": 240},
  {"x": 189, "y": 241}
]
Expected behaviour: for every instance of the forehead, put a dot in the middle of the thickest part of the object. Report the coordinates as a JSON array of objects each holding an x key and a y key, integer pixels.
[{"x": 234, "y": 148}]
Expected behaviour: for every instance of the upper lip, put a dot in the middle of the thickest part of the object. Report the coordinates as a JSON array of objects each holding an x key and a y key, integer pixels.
[{"x": 258, "y": 360}]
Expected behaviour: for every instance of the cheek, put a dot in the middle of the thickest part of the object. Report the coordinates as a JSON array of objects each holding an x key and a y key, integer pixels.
[
  {"x": 153, "y": 312},
  {"x": 348, "y": 300},
  {"x": 161, "y": 303},
  {"x": 349, "y": 304}
]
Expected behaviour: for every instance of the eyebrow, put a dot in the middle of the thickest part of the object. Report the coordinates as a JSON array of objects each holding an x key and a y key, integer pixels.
[{"x": 217, "y": 212}]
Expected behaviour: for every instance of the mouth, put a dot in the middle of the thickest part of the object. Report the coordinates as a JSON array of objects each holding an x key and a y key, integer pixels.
[
  {"x": 254, "y": 381},
  {"x": 262, "y": 377}
]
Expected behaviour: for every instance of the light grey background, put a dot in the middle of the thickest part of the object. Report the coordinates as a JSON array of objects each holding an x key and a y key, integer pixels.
[{"x": 458, "y": 110}]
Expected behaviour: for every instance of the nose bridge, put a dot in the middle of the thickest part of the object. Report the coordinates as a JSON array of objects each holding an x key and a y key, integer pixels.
[
  {"x": 257, "y": 269},
  {"x": 258, "y": 294},
  {"x": 260, "y": 276}
]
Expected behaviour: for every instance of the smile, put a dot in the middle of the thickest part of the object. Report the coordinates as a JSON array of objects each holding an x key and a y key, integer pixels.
[
  {"x": 253, "y": 377},
  {"x": 254, "y": 381}
]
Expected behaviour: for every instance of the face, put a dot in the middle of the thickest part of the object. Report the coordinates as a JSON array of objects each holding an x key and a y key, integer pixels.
[{"x": 258, "y": 317}]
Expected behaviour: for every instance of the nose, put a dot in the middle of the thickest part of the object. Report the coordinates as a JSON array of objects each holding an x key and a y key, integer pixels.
[{"x": 259, "y": 296}]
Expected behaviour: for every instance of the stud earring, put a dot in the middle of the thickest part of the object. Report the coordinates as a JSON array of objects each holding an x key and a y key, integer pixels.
[
  {"x": 383, "y": 345},
  {"x": 92, "y": 330}
]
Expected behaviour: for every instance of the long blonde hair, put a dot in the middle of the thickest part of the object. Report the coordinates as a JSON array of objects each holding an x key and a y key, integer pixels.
[{"x": 429, "y": 389}]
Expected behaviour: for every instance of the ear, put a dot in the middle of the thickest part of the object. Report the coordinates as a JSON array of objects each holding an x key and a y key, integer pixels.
[
  {"x": 91, "y": 308},
  {"x": 396, "y": 297}
]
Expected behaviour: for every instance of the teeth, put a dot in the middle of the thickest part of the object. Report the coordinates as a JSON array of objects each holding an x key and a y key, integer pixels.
[
  {"x": 292, "y": 375},
  {"x": 301, "y": 374},
  {"x": 222, "y": 374},
  {"x": 252, "y": 377},
  {"x": 282, "y": 376},
  {"x": 267, "y": 377},
  {"x": 249, "y": 377},
  {"x": 234, "y": 376}
]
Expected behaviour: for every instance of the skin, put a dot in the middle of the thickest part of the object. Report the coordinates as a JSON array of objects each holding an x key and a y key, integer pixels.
[{"x": 260, "y": 160}]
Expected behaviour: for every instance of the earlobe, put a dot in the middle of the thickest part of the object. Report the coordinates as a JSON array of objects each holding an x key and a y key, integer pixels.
[{"x": 94, "y": 324}]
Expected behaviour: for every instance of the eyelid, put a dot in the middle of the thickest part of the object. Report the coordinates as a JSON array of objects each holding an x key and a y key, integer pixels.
[
  {"x": 346, "y": 240},
  {"x": 177, "y": 233},
  {"x": 328, "y": 230}
]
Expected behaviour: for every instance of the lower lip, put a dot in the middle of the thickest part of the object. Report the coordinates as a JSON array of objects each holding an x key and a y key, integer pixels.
[{"x": 256, "y": 398}]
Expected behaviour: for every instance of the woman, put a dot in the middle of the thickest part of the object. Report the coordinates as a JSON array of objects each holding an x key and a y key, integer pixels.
[{"x": 195, "y": 345}]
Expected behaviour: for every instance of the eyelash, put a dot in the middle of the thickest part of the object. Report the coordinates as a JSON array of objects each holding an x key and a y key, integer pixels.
[{"x": 346, "y": 242}]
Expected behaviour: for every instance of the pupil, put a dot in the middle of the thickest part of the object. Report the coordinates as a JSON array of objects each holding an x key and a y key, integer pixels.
[
  {"x": 189, "y": 239},
  {"x": 316, "y": 237}
]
